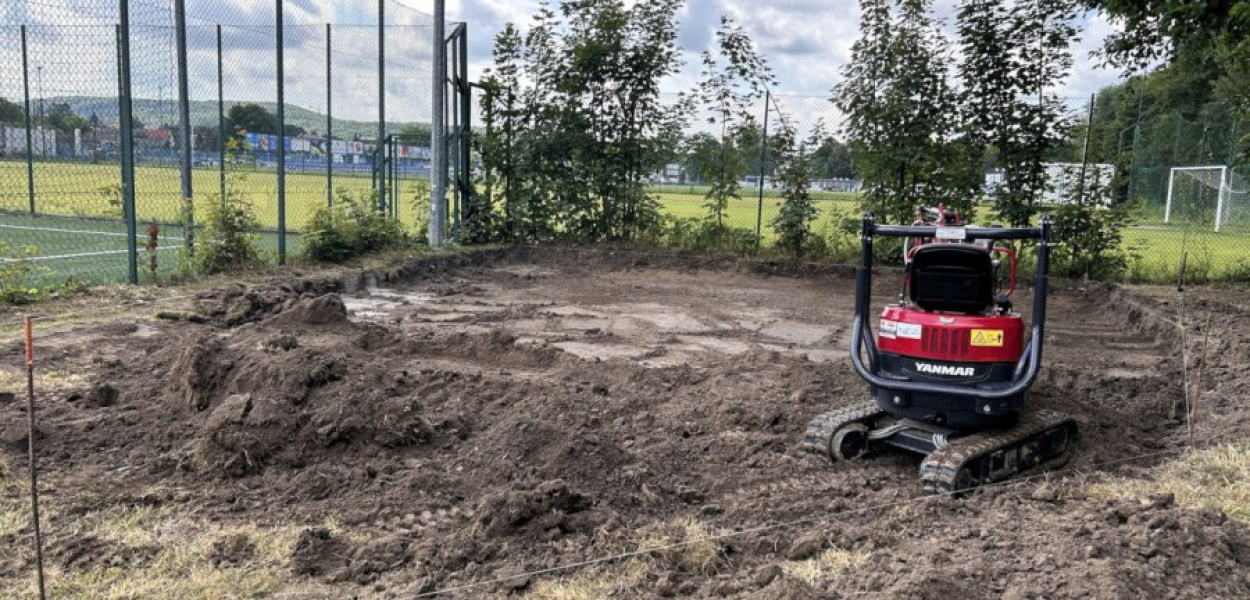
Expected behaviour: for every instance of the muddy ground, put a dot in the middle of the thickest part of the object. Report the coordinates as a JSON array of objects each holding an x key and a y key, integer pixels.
[{"x": 474, "y": 419}]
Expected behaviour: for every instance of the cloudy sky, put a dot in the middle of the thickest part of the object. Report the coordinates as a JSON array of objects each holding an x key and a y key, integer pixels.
[
  {"x": 73, "y": 53},
  {"x": 806, "y": 41}
]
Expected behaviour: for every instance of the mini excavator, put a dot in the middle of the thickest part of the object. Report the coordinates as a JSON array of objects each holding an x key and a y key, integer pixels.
[{"x": 950, "y": 364}]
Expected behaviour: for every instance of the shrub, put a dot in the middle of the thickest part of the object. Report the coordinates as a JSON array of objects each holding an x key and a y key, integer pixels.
[
  {"x": 707, "y": 235},
  {"x": 227, "y": 239},
  {"x": 20, "y": 280},
  {"x": 793, "y": 223},
  {"x": 1087, "y": 229},
  {"x": 354, "y": 226}
]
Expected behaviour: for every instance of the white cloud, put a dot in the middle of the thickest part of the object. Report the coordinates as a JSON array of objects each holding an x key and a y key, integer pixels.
[{"x": 806, "y": 41}]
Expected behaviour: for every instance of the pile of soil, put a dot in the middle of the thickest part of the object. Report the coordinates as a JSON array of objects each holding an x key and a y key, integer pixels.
[{"x": 465, "y": 449}]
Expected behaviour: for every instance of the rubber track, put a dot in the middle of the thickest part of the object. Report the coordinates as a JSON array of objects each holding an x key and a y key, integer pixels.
[
  {"x": 821, "y": 429},
  {"x": 939, "y": 469}
]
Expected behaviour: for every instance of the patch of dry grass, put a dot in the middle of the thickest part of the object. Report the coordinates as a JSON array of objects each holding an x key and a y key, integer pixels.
[
  {"x": 829, "y": 565},
  {"x": 1217, "y": 477},
  {"x": 687, "y": 545},
  {"x": 593, "y": 584},
  {"x": 46, "y": 380},
  {"x": 182, "y": 564}
]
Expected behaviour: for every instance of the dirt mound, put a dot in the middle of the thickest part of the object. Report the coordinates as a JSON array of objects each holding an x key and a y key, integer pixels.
[
  {"x": 547, "y": 507},
  {"x": 322, "y": 310},
  {"x": 243, "y": 432},
  {"x": 320, "y": 553}
]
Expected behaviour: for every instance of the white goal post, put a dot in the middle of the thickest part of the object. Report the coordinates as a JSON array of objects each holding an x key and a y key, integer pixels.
[{"x": 1215, "y": 178}]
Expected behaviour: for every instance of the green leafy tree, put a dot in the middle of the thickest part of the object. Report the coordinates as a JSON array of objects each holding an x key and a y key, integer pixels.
[
  {"x": 1202, "y": 54},
  {"x": 1014, "y": 54},
  {"x": 575, "y": 124},
  {"x": 832, "y": 159},
  {"x": 11, "y": 113},
  {"x": 798, "y": 167},
  {"x": 732, "y": 79},
  {"x": 251, "y": 118},
  {"x": 903, "y": 116},
  {"x": 63, "y": 119}
]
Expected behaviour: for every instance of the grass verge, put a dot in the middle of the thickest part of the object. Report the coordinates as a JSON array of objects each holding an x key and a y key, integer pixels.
[{"x": 1216, "y": 477}]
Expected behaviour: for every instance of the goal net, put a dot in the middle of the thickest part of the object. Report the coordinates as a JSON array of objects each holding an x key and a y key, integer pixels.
[{"x": 1211, "y": 196}]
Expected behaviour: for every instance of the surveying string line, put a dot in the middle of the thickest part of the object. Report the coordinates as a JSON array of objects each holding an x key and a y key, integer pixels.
[{"x": 804, "y": 521}]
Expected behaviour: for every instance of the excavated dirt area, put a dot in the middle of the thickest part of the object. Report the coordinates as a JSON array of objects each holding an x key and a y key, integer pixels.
[{"x": 479, "y": 418}]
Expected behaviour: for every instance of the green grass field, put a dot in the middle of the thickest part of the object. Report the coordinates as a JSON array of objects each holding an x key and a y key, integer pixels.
[
  {"x": 78, "y": 231},
  {"x": 82, "y": 190},
  {"x": 743, "y": 213}
]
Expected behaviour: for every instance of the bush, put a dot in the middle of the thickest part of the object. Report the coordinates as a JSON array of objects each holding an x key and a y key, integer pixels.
[
  {"x": 1087, "y": 231},
  {"x": 354, "y": 226},
  {"x": 793, "y": 222},
  {"x": 19, "y": 279},
  {"x": 227, "y": 240},
  {"x": 1089, "y": 242},
  {"x": 707, "y": 235}
]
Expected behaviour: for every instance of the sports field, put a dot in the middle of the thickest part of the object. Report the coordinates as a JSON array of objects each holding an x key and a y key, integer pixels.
[{"x": 78, "y": 231}]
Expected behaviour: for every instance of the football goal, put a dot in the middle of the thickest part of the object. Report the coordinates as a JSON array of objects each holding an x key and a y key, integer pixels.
[{"x": 1210, "y": 196}]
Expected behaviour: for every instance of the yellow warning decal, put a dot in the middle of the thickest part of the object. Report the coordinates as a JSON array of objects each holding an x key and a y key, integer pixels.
[{"x": 987, "y": 337}]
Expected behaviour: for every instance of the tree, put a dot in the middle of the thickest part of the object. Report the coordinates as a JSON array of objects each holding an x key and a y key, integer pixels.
[
  {"x": 62, "y": 118},
  {"x": 11, "y": 112},
  {"x": 573, "y": 107},
  {"x": 415, "y": 134},
  {"x": 1178, "y": 32},
  {"x": 206, "y": 138},
  {"x": 903, "y": 117},
  {"x": 251, "y": 118},
  {"x": 1013, "y": 53},
  {"x": 793, "y": 222},
  {"x": 832, "y": 160},
  {"x": 732, "y": 80}
]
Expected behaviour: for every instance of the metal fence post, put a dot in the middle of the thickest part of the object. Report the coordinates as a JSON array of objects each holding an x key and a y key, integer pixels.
[
  {"x": 281, "y": 143},
  {"x": 126, "y": 138},
  {"x": 438, "y": 134},
  {"x": 382, "y": 102},
  {"x": 466, "y": 122},
  {"x": 221, "y": 123},
  {"x": 329, "y": 128},
  {"x": 759, "y": 207},
  {"x": 30, "y": 145},
  {"x": 184, "y": 118},
  {"x": 1089, "y": 125},
  {"x": 394, "y": 170}
]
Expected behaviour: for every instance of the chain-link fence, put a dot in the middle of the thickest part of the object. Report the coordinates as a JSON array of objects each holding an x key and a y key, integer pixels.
[
  {"x": 744, "y": 149},
  {"x": 349, "y": 75}
]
